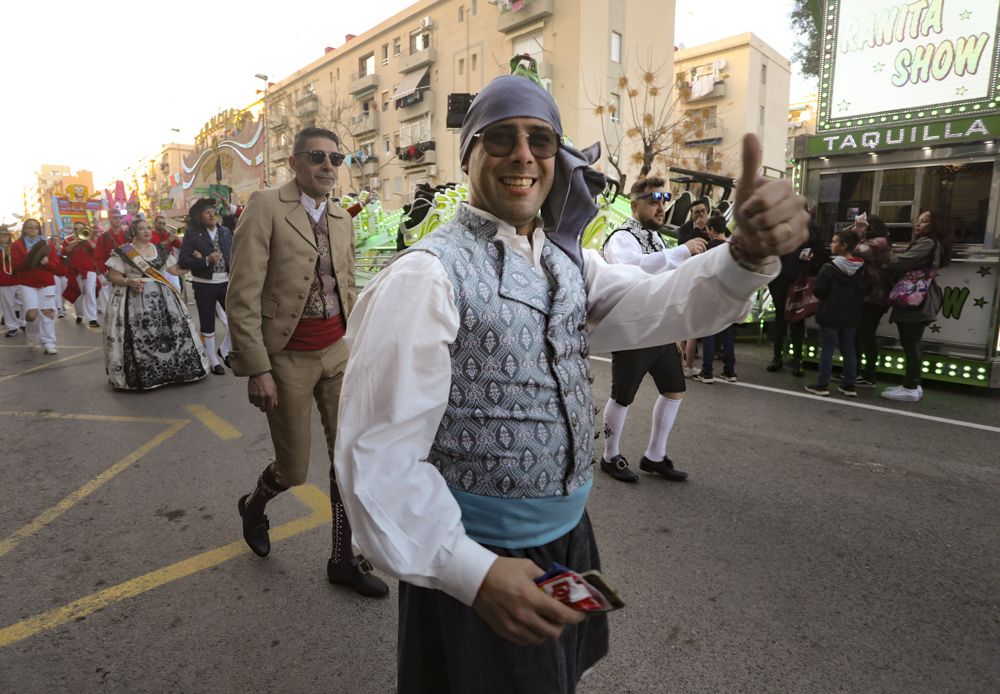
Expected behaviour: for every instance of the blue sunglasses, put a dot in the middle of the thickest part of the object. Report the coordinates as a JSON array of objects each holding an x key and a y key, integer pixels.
[{"x": 655, "y": 196}]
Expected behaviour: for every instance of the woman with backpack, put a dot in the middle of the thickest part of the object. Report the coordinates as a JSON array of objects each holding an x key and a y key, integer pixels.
[
  {"x": 876, "y": 251},
  {"x": 929, "y": 251}
]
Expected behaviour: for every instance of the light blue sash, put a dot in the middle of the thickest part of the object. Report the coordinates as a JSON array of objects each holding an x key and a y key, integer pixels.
[{"x": 520, "y": 523}]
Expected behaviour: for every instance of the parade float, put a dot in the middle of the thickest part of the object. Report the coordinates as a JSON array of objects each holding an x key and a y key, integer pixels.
[
  {"x": 909, "y": 119},
  {"x": 227, "y": 161},
  {"x": 76, "y": 205}
]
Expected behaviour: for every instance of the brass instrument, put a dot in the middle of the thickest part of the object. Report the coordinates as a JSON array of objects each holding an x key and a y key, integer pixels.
[
  {"x": 85, "y": 234},
  {"x": 38, "y": 251}
]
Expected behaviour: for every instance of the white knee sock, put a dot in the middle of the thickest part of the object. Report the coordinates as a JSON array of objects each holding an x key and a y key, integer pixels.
[
  {"x": 664, "y": 415},
  {"x": 614, "y": 422},
  {"x": 31, "y": 329},
  {"x": 209, "y": 342}
]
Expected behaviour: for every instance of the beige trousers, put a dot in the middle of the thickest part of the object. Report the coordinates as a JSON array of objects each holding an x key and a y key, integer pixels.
[{"x": 302, "y": 377}]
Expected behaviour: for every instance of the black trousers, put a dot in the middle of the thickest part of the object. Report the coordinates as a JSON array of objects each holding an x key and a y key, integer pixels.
[
  {"x": 446, "y": 647},
  {"x": 780, "y": 328},
  {"x": 911, "y": 337},
  {"x": 206, "y": 296},
  {"x": 866, "y": 344}
]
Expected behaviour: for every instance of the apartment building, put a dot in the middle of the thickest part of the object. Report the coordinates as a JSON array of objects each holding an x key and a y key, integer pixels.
[
  {"x": 386, "y": 91},
  {"x": 735, "y": 86},
  {"x": 801, "y": 121}
]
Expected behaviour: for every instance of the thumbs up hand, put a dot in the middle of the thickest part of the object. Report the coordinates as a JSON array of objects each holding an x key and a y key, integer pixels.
[{"x": 771, "y": 219}]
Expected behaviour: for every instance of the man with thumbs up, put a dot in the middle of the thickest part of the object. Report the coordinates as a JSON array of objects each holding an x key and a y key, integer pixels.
[{"x": 464, "y": 457}]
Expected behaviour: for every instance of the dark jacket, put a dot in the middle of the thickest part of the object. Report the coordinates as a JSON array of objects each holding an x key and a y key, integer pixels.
[
  {"x": 841, "y": 291},
  {"x": 876, "y": 253},
  {"x": 686, "y": 232},
  {"x": 922, "y": 253},
  {"x": 198, "y": 240}
]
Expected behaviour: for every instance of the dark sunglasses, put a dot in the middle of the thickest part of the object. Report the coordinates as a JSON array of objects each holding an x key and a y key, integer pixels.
[
  {"x": 656, "y": 196},
  {"x": 501, "y": 141},
  {"x": 317, "y": 156}
]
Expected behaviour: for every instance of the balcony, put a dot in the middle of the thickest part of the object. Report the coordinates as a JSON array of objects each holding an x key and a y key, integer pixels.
[
  {"x": 361, "y": 85},
  {"x": 418, "y": 154},
  {"x": 412, "y": 109},
  {"x": 363, "y": 123},
  {"x": 533, "y": 11},
  {"x": 409, "y": 63},
  {"x": 307, "y": 105},
  {"x": 717, "y": 90},
  {"x": 370, "y": 167}
]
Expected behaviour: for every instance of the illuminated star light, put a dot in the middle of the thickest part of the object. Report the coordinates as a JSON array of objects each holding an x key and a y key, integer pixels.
[
  {"x": 984, "y": 270},
  {"x": 878, "y": 67},
  {"x": 961, "y": 91},
  {"x": 935, "y": 328},
  {"x": 965, "y": 15},
  {"x": 981, "y": 302},
  {"x": 844, "y": 105}
]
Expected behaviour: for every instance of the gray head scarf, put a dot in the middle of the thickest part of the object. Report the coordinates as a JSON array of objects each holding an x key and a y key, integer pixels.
[{"x": 570, "y": 205}]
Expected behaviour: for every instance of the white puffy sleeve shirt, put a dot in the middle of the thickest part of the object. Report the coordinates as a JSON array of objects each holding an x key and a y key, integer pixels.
[
  {"x": 395, "y": 391},
  {"x": 623, "y": 249}
]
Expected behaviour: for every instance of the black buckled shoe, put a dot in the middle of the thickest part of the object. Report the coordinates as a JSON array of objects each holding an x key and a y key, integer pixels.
[
  {"x": 618, "y": 468},
  {"x": 357, "y": 575},
  {"x": 218, "y": 370},
  {"x": 664, "y": 468},
  {"x": 225, "y": 359},
  {"x": 254, "y": 529}
]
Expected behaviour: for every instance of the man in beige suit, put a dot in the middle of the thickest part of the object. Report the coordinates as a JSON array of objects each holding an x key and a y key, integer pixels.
[{"x": 291, "y": 288}]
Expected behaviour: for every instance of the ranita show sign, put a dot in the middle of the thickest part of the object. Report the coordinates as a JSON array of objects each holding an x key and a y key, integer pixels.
[{"x": 899, "y": 61}]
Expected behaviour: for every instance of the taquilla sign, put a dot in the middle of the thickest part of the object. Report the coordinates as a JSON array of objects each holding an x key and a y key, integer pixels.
[
  {"x": 925, "y": 60},
  {"x": 904, "y": 135}
]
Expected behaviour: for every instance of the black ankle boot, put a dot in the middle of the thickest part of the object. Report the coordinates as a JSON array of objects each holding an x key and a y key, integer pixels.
[
  {"x": 797, "y": 369},
  {"x": 357, "y": 575},
  {"x": 255, "y": 529},
  {"x": 775, "y": 365}
]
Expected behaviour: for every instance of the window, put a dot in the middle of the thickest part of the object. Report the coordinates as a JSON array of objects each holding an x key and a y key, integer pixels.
[
  {"x": 472, "y": 62},
  {"x": 762, "y": 115},
  {"x": 615, "y": 108},
  {"x": 385, "y": 54},
  {"x": 386, "y": 147},
  {"x": 396, "y": 46},
  {"x": 763, "y": 73},
  {"x": 962, "y": 192},
  {"x": 420, "y": 41},
  {"x": 461, "y": 13},
  {"x": 385, "y": 101},
  {"x": 395, "y": 141},
  {"x": 461, "y": 66},
  {"x": 473, "y": 6},
  {"x": 616, "y": 47},
  {"x": 366, "y": 65},
  {"x": 412, "y": 132},
  {"x": 338, "y": 73}
]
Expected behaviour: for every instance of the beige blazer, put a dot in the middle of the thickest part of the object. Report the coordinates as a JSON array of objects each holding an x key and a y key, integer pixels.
[{"x": 272, "y": 267}]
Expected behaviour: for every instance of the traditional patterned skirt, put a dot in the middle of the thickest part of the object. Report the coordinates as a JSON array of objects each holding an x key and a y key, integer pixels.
[
  {"x": 150, "y": 339},
  {"x": 446, "y": 648}
]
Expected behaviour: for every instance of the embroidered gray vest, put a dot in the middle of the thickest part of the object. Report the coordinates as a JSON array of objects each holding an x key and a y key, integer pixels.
[
  {"x": 520, "y": 419},
  {"x": 649, "y": 241}
]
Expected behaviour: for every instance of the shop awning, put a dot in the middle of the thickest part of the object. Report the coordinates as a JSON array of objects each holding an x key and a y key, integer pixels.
[{"x": 410, "y": 82}]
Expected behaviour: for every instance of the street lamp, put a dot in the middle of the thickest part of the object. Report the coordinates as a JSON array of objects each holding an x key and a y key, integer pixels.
[{"x": 266, "y": 134}]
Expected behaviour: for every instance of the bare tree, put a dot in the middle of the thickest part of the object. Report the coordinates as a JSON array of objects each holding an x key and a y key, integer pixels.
[{"x": 653, "y": 117}]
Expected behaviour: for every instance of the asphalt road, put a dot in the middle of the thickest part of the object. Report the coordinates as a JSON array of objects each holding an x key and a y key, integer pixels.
[{"x": 820, "y": 545}]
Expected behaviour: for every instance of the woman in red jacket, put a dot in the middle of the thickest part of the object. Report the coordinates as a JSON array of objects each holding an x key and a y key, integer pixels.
[{"x": 37, "y": 286}]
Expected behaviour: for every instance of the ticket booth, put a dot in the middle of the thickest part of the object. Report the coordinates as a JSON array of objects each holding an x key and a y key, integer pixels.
[{"x": 909, "y": 120}]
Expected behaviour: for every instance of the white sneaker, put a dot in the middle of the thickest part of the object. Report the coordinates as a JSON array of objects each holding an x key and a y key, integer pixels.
[
  {"x": 49, "y": 349},
  {"x": 902, "y": 394},
  {"x": 690, "y": 371}
]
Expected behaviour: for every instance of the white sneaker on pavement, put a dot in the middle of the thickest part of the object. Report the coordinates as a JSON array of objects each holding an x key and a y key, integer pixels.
[
  {"x": 901, "y": 394},
  {"x": 49, "y": 349}
]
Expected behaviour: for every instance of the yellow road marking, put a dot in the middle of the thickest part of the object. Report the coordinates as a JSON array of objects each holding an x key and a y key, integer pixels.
[
  {"x": 318, "y": 504},
  {"x": 60, "y": 346},
  {"x": 95, "y": 417},
  {"x": 220, "y": 427},
  {"x": 50, "y": 514},
  {"x": 48, "y": 364}
]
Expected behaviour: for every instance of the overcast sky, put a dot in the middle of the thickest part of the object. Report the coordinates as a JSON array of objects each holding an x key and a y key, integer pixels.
[{"x": 100, "y": 86}]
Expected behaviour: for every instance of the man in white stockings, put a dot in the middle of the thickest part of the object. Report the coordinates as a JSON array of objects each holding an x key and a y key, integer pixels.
[{"x": 638, "y": 243}]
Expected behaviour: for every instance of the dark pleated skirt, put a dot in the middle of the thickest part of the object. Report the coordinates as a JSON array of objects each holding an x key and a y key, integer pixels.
[{"x": 446, "y": 648}]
